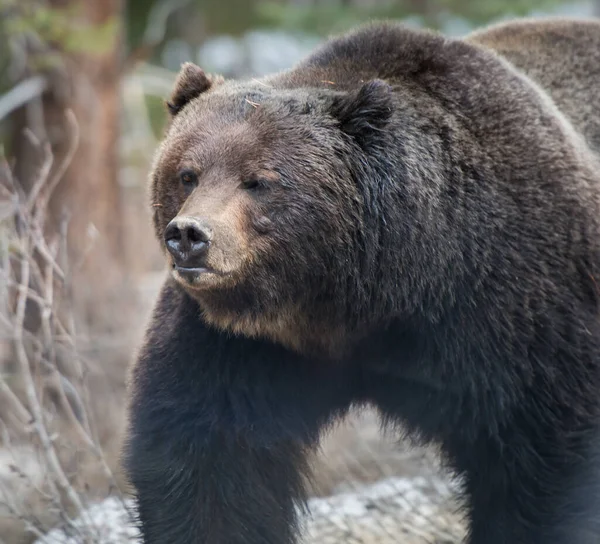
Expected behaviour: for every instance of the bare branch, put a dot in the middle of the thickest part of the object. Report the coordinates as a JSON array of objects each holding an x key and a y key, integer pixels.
[
  {"x": 21, "y": 94},
  {"x": 31, "y": 273},
  {"x": 32, "y": 397}
]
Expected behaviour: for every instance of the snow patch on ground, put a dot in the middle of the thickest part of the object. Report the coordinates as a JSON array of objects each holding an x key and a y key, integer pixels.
[{"x": 411, "y": 510}]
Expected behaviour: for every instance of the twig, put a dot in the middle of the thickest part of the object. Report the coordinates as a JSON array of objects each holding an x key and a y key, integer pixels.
[
  {"x": 64, "y": 164},
  {"x": 17, "y": 406},
  {"x": 20, "y": 94},
  {"x": 42, "y": 176},
  {"x": 32, "y": 398}
]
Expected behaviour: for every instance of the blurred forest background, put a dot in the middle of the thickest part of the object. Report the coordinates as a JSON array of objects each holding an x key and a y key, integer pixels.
[{"x": 82, "y": 85}]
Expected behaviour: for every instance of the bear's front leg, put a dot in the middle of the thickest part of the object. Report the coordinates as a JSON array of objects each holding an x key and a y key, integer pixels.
[
  {"x": 219, "y": 430},
  {"x": 529, "y": 486},
  {"x": 216, "y": 490}
]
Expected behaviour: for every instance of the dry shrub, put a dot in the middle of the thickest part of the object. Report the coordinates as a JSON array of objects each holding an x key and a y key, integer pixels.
[{"x": 60, "y": 413}]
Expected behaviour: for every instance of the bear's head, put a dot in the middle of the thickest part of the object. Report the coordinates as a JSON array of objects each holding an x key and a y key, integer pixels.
[{"x": 257, "y": 202}]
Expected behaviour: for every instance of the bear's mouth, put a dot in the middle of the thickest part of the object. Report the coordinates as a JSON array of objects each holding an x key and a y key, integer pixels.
[
  {"x": 199, "y": 277},
  {"x": 191, "y": 274}
]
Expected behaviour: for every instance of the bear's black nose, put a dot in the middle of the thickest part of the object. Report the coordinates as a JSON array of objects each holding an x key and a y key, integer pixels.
[{"x": 187, "y": 241}]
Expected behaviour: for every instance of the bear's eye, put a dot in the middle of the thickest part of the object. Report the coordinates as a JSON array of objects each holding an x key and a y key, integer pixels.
[
  {"x": 251, "y": 183},
  {"x": 188, "y": 179}
]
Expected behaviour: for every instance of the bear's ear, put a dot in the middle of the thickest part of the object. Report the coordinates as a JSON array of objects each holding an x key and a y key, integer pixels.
[
  {"x": 191, "y": 82},
  {"x": 364, "y": 111}
]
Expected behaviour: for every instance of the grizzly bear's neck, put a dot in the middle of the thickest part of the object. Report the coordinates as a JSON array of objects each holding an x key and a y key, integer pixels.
[{"x": 288, "y": 325}]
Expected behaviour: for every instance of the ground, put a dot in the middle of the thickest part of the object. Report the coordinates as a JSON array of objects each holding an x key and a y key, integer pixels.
[{"x": 415, "y": 510}]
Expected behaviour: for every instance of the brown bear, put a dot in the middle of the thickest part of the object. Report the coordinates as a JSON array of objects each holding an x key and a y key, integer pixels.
[{"x": 404, "y": 221}]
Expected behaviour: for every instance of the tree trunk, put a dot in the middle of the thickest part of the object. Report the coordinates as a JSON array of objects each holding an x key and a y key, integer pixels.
[{"x": 88, "y": 196}]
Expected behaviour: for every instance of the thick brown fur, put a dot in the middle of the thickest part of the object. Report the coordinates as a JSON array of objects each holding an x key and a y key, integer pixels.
[
  {"x": 572, "y": 47},
  {"x": 401, "y": 220}
]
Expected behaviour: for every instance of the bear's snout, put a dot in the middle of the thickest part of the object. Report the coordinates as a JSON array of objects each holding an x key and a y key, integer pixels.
[{"x": 187, "y": 240}]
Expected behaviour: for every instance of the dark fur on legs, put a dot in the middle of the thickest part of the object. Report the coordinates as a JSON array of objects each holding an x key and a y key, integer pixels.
[
  {"x": 220, "y": 454},
  {"x": 219, "y": 434}
]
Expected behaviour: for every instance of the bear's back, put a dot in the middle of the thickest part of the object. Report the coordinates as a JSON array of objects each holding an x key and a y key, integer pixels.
[{"x": 563, "y": 57}]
